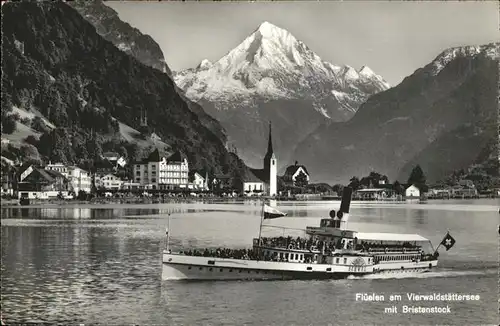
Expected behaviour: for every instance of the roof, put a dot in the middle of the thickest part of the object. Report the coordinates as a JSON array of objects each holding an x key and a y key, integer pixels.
[
  {"x": 103, "y": 165},
  {"x": 270, "y": 151},
  {"x": 54, "y": 174},
  {"x": 24, "y": 167},
  {"x": 252, "y": 175},
  {"x": 390, "y": 237},
  {"x": 45, "y": 174},
  {"x": 110, "y": 154},
  {"x": 373, "y": 190},
  {"x": 155, "y": 156},
  {"x": 191, "y": 174},
  {"x": 290, "y": 170},
  {"x": 178, "y": 156},
  {"x": 256, "y": 175}
]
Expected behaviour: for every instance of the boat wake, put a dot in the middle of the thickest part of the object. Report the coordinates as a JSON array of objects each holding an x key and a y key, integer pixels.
[{"x": 431, "y": 274}]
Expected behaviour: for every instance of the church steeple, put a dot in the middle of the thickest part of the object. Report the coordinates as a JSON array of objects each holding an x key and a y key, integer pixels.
[
  {"x": 271, "y": 166},
  {"x": 270, "y": 151}
]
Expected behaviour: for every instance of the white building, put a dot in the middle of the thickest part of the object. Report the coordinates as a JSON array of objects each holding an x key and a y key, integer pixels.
[
  {"x": 109, "y": 181},
  {"x": 263, "y": 180},
  {"x": 162, "y": 173},
  {"x": 293, "y": 171},
  {"x": 412, "y": 192},
  {"x": 198, "y": 182},
  {"x": 78, "y": 179}
]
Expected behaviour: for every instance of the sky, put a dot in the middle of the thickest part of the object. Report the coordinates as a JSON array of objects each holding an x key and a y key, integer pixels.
[{"x": 392, "y": 38}]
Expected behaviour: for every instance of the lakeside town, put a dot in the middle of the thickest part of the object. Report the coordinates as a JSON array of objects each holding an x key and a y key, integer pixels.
[{"x": 161, "y": 177}]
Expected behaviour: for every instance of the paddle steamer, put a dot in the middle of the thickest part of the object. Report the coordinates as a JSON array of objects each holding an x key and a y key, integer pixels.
[{"x": 330, "y": 250}]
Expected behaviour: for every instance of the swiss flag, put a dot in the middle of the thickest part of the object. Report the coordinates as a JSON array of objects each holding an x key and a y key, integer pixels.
[{"x": 448, "y": 241}]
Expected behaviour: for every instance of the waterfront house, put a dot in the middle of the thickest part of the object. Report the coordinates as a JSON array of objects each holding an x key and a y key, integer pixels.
[
  {"x": 197, "y": 181},
  {"x": 375, "y": 193},
  {"x": 42, "y": 184},
  {"x": 79, "y": 179},
  {"x": 108, "y": 182},
  {"x": 160, "y": 171},
  {"x": 294, "y": 171},
  {"x": 464, "y": 189},
  {"x": 412, "y": 192}
]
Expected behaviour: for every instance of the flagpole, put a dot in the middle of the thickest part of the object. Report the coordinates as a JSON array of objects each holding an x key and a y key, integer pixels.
[
  {"x": 261, "y": 219},
  {"x": 168, "y": 233},
  {"x": 439, "y": 245}
]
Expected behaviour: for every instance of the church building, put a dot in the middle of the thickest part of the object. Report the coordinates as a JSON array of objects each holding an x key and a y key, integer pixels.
[{"x": 263, "y": 181}]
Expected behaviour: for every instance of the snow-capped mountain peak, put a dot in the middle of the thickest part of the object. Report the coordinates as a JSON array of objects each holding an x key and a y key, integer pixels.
[
  {"x": 491, "y": 50},
  {"x": 272, "y": 64},
  {"x": 366, "y": 71},
  {"x": 205, "y": 64}
]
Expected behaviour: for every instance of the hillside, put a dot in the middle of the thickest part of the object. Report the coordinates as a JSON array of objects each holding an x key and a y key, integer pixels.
[
  {"x": 140, "y": 46},
  {"x": 55, "y": 63},
  {"x": 441, "y": 117}
]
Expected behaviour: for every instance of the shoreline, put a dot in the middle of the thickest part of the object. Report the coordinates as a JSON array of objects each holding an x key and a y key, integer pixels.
[{"x": 6, "y": 203}]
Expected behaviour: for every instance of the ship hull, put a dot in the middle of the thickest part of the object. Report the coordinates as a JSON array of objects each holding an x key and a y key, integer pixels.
[{"x": 179, "y": 267}]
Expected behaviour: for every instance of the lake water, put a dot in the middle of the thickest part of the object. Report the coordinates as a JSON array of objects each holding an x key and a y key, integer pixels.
[{"x": 102, "y": 265}]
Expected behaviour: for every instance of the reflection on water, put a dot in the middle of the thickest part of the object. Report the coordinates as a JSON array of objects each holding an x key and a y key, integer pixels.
[
  {"x": 419, "y": 217},
  {"x": 102, "y": 265}
]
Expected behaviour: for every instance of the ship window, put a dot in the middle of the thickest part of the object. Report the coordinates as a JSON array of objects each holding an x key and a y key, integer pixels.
[
  {"x": 296, "y": 256},
  {"x": 189, "y": 267},
  {"x": 329, "y": 269},
  {"x": 337, "y": 260},
  {"x": 345, "y": 260},
  {"x": 230, "y": 271},
  {"x": 309, "y": 268},
  {"x": 249, "y": 271},
  {"x": 369, "y": 260},
  {"x": 286, "y": 255},
  {"x": 220, "y": 270},
  {"x": 301, "y": 257},
  {"x": 241, "y": 271},
  {"x": 201, "y": 268},
  {"x": 210, "y": 269}
]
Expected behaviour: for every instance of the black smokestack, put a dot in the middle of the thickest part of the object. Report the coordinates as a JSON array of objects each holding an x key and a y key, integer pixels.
[{"x": 345, "y": 204}]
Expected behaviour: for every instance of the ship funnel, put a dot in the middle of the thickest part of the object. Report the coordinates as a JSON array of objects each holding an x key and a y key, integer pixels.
[{"x": 345, "y": 205}]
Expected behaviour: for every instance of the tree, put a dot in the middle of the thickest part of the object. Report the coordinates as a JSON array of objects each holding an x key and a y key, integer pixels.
[
  {"x": 338, "y": 188},
  {"x": 301, "y": 180},
  {"x": 417, "y": 178},
  {"x": 29, "y": 153},
  {"x": 354, "y": 183},
  {"x": 8, "y": 124},
  {"x": 398, "y": 188},
  {"x": 39, "y": 125},
  {"x": 31, "y": 140}
]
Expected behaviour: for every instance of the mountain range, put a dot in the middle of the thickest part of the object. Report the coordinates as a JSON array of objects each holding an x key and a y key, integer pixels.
[
  {"x": 441, "y": 117},
  {"x": 90, "y": 94},
  {"x": 272, "y": 76}
]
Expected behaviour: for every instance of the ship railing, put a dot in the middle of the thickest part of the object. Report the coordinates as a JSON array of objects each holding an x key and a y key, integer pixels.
[{"x": 393, "y": 250}]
